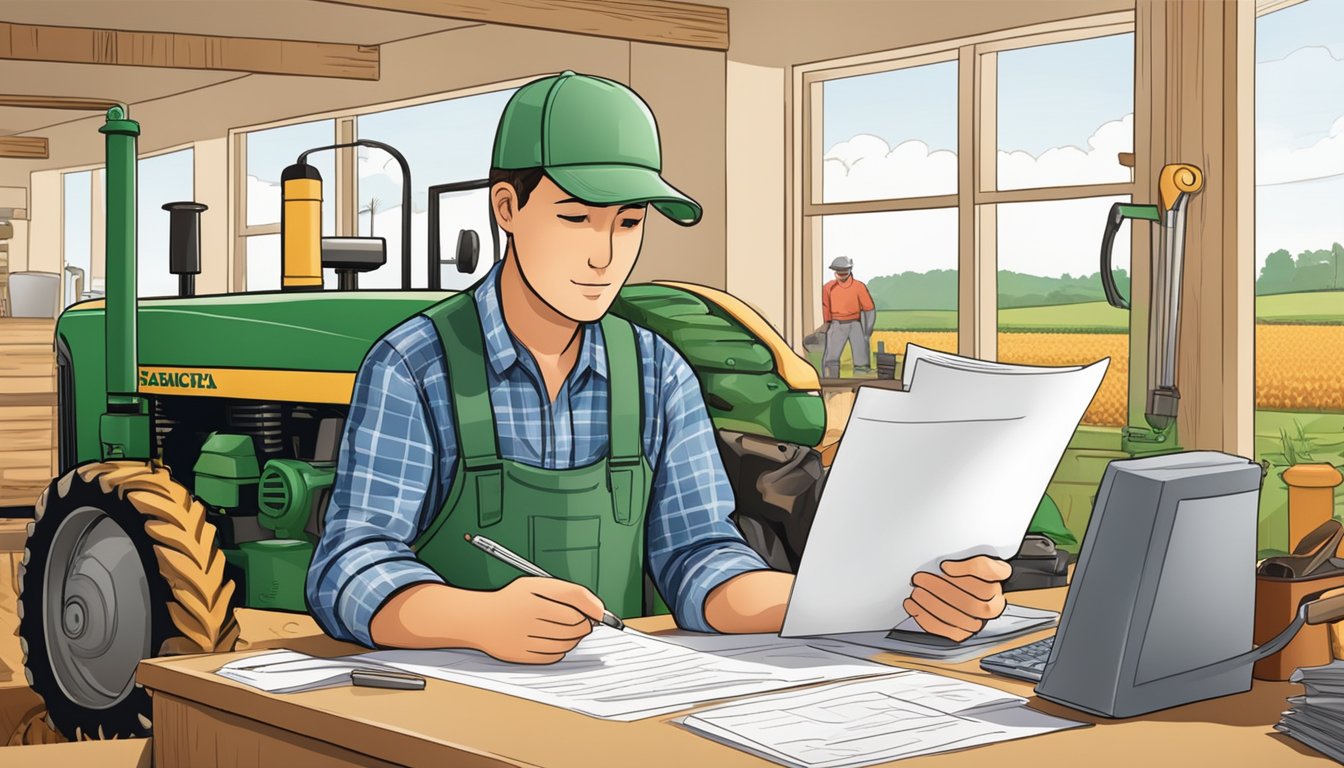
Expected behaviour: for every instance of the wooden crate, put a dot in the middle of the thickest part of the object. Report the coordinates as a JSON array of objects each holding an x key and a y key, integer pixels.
[{"x": 27, "y": 409}]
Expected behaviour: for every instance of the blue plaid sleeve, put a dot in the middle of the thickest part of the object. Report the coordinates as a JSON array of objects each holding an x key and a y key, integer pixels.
[
  {"x": 384, "y": 478},
  {"x": 692, "y": 545}
]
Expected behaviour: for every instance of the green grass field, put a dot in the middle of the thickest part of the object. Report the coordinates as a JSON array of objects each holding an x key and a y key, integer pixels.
[
  {"x": 1314, "y": 307},
  {"x": 1089, "y": 317}
]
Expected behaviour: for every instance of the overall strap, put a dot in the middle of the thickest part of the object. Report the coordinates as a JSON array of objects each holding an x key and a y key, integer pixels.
[
  {"x": 625, "y": 381},
  {"x": 463, "y": 342}
]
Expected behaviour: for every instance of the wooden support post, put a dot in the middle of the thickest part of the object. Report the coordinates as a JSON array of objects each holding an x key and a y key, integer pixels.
[{"x": 1197, "y": 60}]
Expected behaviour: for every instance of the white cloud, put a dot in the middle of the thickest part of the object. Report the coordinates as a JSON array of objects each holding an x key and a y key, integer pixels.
[
  {"x": 1276, "y": 164},
  {"x": 263, "y": 201},
  {"x": 1099, "y": 164},
  {"x": 866, "y": 168}
]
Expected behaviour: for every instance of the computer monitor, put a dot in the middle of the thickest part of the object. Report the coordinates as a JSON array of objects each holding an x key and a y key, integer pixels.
[{"x": 1160, "y": 608}]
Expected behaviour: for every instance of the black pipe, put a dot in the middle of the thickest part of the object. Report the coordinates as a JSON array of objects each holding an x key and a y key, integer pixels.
[
  {"x": 405, "y": 204},
  {"x": 184, "y": 244}
]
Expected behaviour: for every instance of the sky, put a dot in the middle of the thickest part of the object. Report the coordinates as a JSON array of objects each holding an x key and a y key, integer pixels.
[{"x": 1065, "y": 112}]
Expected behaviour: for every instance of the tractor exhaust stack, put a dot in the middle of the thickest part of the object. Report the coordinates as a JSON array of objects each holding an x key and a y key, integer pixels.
[
  {"x": 124, "y": 428},
  {"x": 184, "y": 244}
]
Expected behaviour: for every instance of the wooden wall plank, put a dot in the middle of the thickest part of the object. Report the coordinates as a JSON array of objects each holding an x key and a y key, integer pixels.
[
  {"x": 80, "y": 45},
  {"x": 646, "y": 21},
  {"x": 26, "y": 360},
  {"x": 22, "y": 330},
  {"x": 24, "y": 147},
  {"x": 28, "y": 101}
]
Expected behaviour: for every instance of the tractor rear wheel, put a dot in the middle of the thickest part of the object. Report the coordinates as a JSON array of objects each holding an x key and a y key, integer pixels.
[{"x": 120, "y": 566}]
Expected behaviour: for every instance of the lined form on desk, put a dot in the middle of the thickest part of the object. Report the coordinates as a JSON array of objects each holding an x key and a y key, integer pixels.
[
  {"x": 610, "y": 674},
  {"x": 847, "y": 725}
]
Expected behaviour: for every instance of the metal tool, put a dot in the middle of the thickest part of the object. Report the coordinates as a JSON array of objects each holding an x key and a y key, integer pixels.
[{"x": 1175, "y": 185}]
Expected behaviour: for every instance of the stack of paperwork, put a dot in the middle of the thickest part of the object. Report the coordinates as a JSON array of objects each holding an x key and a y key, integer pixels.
[
  {"x": 611, "y": 674},
  {"x": 1317, "y": 719}
]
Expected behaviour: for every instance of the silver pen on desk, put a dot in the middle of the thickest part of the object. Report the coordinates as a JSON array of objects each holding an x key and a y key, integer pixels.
[{"x": 504, "y": 554}]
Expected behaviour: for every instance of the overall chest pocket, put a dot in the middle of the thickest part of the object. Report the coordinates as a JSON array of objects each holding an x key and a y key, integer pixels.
[{"x": 566, "y": 547}]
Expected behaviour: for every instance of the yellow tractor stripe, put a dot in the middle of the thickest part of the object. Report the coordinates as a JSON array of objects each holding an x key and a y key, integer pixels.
[
  {"x": 792, "y": 368},
  {"x": 248, "y": 384}
]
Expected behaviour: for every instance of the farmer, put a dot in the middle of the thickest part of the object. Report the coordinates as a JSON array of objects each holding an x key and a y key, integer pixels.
[
  {"x": 848, "y": 313},
  {"x": 490, "y": 413}
]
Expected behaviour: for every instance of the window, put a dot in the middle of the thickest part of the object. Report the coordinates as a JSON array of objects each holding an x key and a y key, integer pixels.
[
  {"x": 166, "y": 178},
  {"x": 269, "y": 152},
  {"x": 77, "y": 242},
  {"x": 883, "y": 193},
  {"x": 1035, "y": 132},
  {"x": 891, "y": 134},
  {"x": 970, "y": 184},
  {"x": 1052, "y": 308},
  {"x": 1299, "y": 249},
  {"x": 443, "y": 141},
  {"x": 1064, "y": 112}
]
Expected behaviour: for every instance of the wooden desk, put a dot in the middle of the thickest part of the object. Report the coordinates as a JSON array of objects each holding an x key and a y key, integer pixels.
[{"x": 202, "y": 720}]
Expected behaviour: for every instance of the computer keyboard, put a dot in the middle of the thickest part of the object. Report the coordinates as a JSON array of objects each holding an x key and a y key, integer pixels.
[{"x": 1025, "y": 662}]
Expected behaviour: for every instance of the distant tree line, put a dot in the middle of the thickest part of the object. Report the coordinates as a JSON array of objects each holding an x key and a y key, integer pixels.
[
  {"x": 1319, "y": 270},
  {"x": 937, "y": 289}
]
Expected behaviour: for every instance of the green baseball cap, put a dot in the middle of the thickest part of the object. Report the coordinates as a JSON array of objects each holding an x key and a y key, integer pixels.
[{"x": 595, "y": 138}]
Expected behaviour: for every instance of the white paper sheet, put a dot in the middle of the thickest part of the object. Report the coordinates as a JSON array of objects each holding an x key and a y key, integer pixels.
[
  {"x": 291, "y": 672},
  {"x": 861, "y": 723},
  {"x": 952, "y": 469},
  {"x": 610, "y": 674}
]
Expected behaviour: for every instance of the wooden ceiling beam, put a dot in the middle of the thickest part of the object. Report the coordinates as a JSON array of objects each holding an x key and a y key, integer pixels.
[
  {"x": 23, "y": 147},
  {"x": 80, "y": 45},
  {"x": 646, "y": 21},
  {"x": 25, "y": 101}
]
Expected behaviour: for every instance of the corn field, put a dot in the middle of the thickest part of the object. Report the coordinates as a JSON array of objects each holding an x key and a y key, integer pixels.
[{"x": 1299, "y": 367}]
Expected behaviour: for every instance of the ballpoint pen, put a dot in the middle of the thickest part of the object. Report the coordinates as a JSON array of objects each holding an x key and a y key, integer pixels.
[{"x": 503, "y": 554}]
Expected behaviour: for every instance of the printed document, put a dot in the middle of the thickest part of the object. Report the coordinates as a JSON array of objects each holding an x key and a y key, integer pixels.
[
  {"x": 610, "y": 674},
  {"x": 854, "y": 724},
  {"x": 951, "y": 469}
]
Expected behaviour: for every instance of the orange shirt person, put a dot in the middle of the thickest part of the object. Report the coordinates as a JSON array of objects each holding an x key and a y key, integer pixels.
[{"x": 849, "y": 315}]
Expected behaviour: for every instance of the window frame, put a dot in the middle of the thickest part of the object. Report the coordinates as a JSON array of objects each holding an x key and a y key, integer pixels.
[
  {"x": 977, "y": 196},
  {"x": 97, "y": 210},
  {"x": 346, "y": 163}
]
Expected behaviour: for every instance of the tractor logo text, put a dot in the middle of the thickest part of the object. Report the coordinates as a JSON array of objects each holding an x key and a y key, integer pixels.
[{"x": 178, "y": 379}]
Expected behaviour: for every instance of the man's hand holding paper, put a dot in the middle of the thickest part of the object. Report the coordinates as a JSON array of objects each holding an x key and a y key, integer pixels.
[{"x": 959, "y": 601}]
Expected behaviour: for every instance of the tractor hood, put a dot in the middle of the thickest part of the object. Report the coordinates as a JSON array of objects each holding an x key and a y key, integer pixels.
[{"x": 267, "y": 331}]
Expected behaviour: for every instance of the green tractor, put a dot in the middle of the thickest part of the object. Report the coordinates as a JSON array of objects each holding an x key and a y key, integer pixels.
[{"x": 198, "y": 437}]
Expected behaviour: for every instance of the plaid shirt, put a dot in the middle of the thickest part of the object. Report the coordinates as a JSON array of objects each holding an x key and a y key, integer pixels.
[{"x": 399, "y": 453}]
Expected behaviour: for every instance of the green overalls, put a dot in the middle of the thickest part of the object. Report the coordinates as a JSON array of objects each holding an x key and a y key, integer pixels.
[{"x": 584, "y": 525}]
